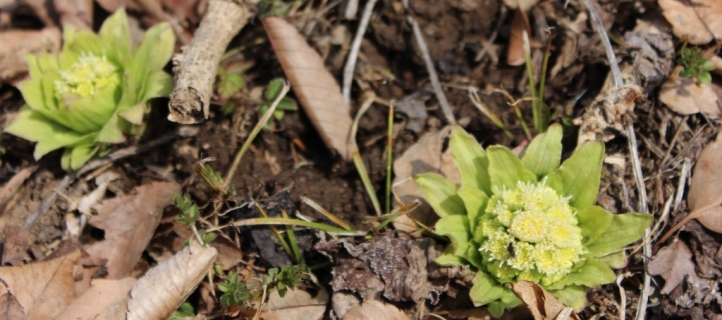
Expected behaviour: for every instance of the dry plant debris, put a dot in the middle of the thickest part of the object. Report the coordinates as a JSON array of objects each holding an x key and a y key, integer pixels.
[
  {"x": 296, "y": 304},
  {"x": 688, "y": 96},
  {"x": 542, "y": 304},
  {"x": 698, "y": 21},
  {"x": 375, "y": 310}
]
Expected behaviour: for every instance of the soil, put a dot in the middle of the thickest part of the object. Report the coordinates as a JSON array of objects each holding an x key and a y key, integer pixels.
[{"x": 291, "y": 161}]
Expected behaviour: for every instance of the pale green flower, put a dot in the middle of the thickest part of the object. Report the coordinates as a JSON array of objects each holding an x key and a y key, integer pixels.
[
  {"x": 529, "y": 219},
  {"x": 94, "y": 91}
]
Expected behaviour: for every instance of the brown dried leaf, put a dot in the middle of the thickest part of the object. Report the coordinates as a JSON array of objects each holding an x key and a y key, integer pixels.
[
  {"x": 705, "y": 189},
  {"x": 316, "y": 89},
  {"x": 18, "y": 43},
  {"x": 102, "y": 294},
  {"x": 609, "y": 115},
  {"x": 673, "y": 263},
  {"x": 698, "y": 21},
  {"x": 296, "y": 304},
  {"x": 687, "y": 96},
  {"x": 129, "y": 222},
  {"x": 375, "y": 310},
  {"x": 542, "y": 304},
  {"x": 78, "y": 13},
  {"x": 43, "y": 289},
  {"x": 524, "y": 5},
  {"x": 159, "y": 293},
  {"x": 11, "y": 308},
  {"x": 515, "y": 52},
  {"x": 12, "y": 186},
  {"x": 424, "y": 156}
]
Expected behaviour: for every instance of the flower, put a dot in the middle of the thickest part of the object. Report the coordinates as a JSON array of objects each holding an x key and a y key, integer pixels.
[
  {"x": 95, "y": 90},
  {"x": 530, "y": 219}
]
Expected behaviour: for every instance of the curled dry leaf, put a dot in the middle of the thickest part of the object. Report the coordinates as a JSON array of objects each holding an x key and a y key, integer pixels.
[
  {"x": 425, "y": 155},
  {"x": 316, "y": 89},
  {"x": 609, "y": 115},
  {"x": 129, "y": 222},
  {"x": 102, "y": 294},
  {"x": 520, "y": 24},
  {"x": 375, "y": 310},
  {"x": 296, "y": 304},
  {"x": 159, "y": 293},
  {"x": 542, "y": 304},
  {"x": 42, "y": 289},
  {"x": 524, "y": 5},
  {"x": 673, "y": 263},
  {"x": 698, "y": 21},
  {"x": 18, "y": 43},
  {"x": 688, "y": 96},
  {"x": 705, "y": 189}
]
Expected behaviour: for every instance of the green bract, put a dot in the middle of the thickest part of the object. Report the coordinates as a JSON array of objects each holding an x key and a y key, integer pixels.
[
  {"x": 529, "y": 219},
  {"x": 86, "y": 97}
]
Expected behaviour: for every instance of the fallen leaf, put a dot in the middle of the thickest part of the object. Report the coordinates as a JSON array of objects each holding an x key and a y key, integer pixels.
[
  {"x": 43, "y": 289},
  {"x": 12, "y": 186},
  {"x": 542, "y": 304},
  {"x": 687, "y": 96},
  {"x": 129, "y": 222},
  {"x": 78, "y": 13},
  {"x": 698, "y": 21},
  {"x": 673, "y": 263},
  {"x": 515, "y": 50},
  {"x": 11, "y": 308},
  {"x": 414, "y": 107},
  {"x": 705, "y": 188},
  {"x": 426, "y": 155},
  {"x": 102, "y": 294},
  {"x": 315, "y": 87},
  {"x": 159, "y": 293},
  {"x": 396, "y": 267},
  {"x": 375, "y": 310},
  {"x": 296, "y": 304},
  {"x": 18, "y": 43},
  {"x": 524, "y": 5}
]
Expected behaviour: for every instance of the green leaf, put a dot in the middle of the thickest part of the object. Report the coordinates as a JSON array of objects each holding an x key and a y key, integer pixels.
[
  {"x": 449, "y": 259},
  {"x": 230, "y": 84},
  {"x": 273, "y": 89},
  {"x": 158, "y": 84},
  {"x": 111, "y": 133},
  {"x": 485, "y": 289},
  {"x": 572, "y": 296},
  {"x": 593, "y": 221},
  {"x": 156, "y": 48},
  {"x": 455, "y": 227},
  {"x": 505, "y": 169},
  {"x": 704, "y": 77},
  {"x": 440, "y": 193},
  {"x": 554, "y": 181},
  {"x": 592, "y": 273},
  {"x": 287, "y": 104},
  {"x": 79, "y": 156},
  {"x": 707, "y": 65},
  {"x": 33, "y": 126},
  {"x": 625, "y": 229},
  {"x": 135, "y": 114},
  {"x": 496, "y": 309},
  {"x": 115, "y": 34},
  {"x": 581, "y": 174},
  {"x": 616, "y": 260},
  {"x": 471, "y": 160},
  {"x": 475, "y": 203},
  {"x": 545, "y": 151}
]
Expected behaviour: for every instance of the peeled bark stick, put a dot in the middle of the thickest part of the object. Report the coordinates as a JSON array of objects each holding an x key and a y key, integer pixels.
[{"x": 195, "y": 70}]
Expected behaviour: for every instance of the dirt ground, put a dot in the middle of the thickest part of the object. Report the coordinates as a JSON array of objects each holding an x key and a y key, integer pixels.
[{"x": 469, "y": 43}]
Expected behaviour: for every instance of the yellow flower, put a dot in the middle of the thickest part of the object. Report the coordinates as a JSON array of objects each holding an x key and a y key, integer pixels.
[{"x": 87, "y": 76}]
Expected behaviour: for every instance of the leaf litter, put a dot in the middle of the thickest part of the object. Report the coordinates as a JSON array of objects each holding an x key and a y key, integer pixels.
[{"x": 695, "y": 251}]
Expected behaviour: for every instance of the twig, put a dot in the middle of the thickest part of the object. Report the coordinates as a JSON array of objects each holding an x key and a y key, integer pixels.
[
  {"x": 634, "y": 155},
  {"x": 430, "y": 68},
  {"x": 195, "y": 71},
  {"x": 120, "y": 154},
  {"x": 348, "y": 69}
]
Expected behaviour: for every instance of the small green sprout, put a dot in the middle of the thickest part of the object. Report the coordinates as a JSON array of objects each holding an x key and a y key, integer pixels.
[
  {"x": 271, "y": 93},
  {"x": 229, "y": 83},
  {"x": 288, "y": 278},
  {"x": 185, "y": 310},
  {"x": 695, "y": 66},
  {"x": 531, "y": 219},
  {"x": 189, "y": 214},
  {"x": 95, "y": 90},
  {"x": 235, "y": 292}
]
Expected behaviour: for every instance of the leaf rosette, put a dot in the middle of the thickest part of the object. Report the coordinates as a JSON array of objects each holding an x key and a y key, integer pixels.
[
  {"x": 531, "y": 219},
  {"x": 95, "y": 90}
]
